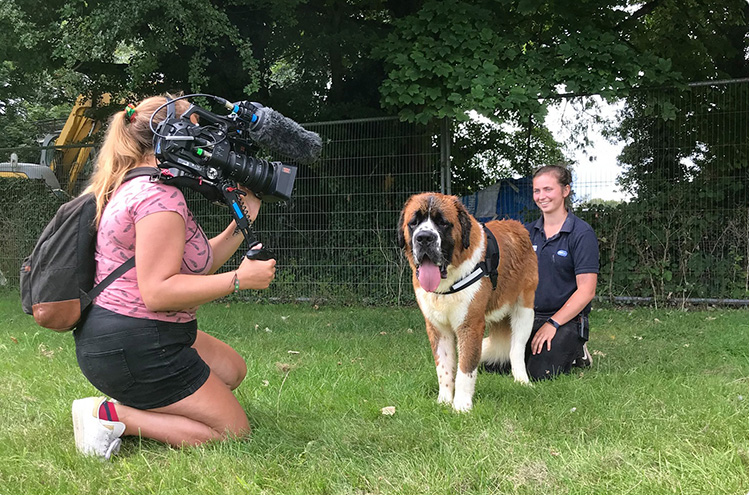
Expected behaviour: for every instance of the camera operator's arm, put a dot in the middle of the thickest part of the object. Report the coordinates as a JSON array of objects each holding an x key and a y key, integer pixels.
[
  {"x": 159, "y": 249},
  {"x": 226, "y": 244}
]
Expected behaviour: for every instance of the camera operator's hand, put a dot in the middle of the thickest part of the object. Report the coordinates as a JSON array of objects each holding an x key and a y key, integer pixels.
[
  {"x": 251, "y": 202},
  {"x": 256, "y": 274}
]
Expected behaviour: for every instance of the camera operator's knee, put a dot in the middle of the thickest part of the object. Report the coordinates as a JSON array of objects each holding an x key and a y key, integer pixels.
[
  {"x": 232, "y": 370},
  {"x": 234, "y": 430},
  {"x": 224, "y": 361},
  {"x": 241, "y": 430},
  {"x": 239, "y": 369},
  {"x": 233, "y": 424}
]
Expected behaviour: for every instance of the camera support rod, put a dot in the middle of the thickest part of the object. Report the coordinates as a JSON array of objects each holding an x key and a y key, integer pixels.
[{"x": 232, "y": 199}]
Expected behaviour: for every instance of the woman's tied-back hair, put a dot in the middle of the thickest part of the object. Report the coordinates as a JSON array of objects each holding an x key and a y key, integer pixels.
[
  {"x": 564, "y": 178},
  {"x": 128, "y": 142}
]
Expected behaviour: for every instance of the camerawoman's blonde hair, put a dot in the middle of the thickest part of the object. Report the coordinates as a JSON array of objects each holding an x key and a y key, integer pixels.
[{"x": 128, "y": 143}]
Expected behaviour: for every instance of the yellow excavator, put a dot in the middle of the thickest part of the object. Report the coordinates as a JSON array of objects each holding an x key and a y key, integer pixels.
[{"x": 64, "y": 155}]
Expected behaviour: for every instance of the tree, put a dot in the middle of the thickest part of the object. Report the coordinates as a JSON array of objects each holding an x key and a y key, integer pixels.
[
  {"x": 500, "y": 57},
  {"x": 485, "y": 153},
  {"x": 705, "y": 41},
  {"x": 686, "y": 159},
  {"x": 428, "y": 58},
  {"x": 339, "y": 59},
  {"x": 310, "y": 59},
  {"x": 504, "y": 59}
]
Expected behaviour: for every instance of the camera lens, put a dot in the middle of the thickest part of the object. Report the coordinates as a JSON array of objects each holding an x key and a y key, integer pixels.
[
  {"x": 273, "y": 180},
  {"x": 251, "y": 172}
]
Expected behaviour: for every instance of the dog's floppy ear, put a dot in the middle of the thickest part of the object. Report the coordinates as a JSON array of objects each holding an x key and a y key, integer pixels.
[
  {"x": 400, "y": 238},
  {"x": 464, "y": 220}
]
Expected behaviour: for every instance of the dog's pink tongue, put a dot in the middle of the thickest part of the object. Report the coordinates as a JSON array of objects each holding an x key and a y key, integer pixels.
[{"x": 429, "y": 275}]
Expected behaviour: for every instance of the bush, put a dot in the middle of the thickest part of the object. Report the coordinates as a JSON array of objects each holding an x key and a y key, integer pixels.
[{"x": 670, "y": 250}]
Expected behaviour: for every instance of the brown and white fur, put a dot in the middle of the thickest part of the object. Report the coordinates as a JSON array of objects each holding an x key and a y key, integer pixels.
[{"x": 439, "y": 227}]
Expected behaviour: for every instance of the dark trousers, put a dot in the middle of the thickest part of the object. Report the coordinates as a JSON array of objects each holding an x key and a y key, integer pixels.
[{"x": 566, "y": 346}]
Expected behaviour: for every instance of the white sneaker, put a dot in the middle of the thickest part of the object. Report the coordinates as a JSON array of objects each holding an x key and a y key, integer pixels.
[{"x": 93, "y": 435}]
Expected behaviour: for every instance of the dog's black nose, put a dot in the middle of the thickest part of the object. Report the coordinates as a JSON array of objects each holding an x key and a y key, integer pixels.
[{"x": 425, "y": 237}]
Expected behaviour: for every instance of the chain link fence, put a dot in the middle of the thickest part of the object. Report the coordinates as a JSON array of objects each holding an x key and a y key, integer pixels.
[
  {"x": 679, "y": 232},
  {"x": 335, "y": 239},
  {"x": 682, "y": 234}
]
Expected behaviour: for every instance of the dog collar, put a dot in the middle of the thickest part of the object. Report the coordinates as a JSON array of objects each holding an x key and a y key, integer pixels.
[{"x": 485, "y": 268}]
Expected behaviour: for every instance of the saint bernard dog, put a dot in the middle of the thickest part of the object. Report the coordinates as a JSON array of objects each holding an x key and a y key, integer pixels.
[{"x": 468, "y": 277}]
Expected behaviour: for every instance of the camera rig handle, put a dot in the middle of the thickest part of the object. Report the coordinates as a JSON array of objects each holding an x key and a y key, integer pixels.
[{"x": 232, "y": 196}]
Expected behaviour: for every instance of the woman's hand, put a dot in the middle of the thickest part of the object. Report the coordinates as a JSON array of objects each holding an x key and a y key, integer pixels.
[
  {"x": 256, "y": 274},
  {"x": 251, "y": 203},
  {"x": 542, "y": 336}
]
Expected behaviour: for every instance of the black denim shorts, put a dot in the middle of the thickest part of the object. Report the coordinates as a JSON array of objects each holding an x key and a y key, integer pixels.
[
  {"x": 566, "y": 346},
  {"x": 139, "y": 362}
]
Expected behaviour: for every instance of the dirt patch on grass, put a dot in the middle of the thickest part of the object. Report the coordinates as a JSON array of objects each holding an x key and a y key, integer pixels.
[{"x": 533, "y": 477}]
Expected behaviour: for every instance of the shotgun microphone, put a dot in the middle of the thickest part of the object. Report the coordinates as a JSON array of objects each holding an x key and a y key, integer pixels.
[{"x": 279, "y": 134}]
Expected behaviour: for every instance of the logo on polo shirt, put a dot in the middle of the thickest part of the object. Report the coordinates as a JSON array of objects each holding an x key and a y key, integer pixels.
[
  {"x": 534, "y": 246},
  {"x": 562, "y": 253}
]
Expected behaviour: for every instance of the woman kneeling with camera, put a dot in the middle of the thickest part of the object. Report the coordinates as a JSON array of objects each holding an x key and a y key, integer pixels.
[{"x": 139, "y": 344}]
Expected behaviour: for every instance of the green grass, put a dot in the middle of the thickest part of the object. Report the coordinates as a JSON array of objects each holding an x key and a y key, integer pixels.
[{"x": 664, "y": 409}]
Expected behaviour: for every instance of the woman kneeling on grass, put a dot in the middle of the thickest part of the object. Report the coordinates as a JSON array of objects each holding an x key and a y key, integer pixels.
[
  {"x": 139, "y": 343},
  {"x": 568, "y": 255}
]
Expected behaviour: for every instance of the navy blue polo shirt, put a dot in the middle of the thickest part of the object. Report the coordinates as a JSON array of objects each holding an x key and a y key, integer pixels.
[{"x": 572, "y": 251}]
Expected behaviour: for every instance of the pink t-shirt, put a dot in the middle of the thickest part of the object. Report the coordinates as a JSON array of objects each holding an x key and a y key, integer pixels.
[{"x": 115, "y": 243}]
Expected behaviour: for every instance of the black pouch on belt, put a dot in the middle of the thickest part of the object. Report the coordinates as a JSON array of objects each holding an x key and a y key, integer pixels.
[{"x": 583, "y": 327}]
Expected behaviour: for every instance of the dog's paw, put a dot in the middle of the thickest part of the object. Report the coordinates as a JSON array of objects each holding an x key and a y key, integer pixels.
[
  {"x": 445, "y": 397},
  {"x": 521, "y": 377},
  {"x": 462, "y": 404}
]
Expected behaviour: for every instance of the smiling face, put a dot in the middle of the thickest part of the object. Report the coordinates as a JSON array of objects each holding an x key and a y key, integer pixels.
[{"x": 549, "y": 194}]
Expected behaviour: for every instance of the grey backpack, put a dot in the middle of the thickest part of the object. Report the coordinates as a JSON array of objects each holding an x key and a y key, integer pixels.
[{"x": 57, "y": 279}]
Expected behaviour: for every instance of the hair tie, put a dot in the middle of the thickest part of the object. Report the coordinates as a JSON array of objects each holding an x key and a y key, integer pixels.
[{"x": 130, "y": 112}]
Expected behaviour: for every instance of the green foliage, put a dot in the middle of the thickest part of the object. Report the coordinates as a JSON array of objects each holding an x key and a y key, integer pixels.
[
  {"x": 684, "y": 234},
  {"x": 665, "y": 251},
  {"x": 682, "y": 137},
  {"x": 702, "y": 40},
  {"x": 664, "y": 409},
  {"x": 450, "y": 57},
  {"x": 23, "y": 124},
  {"x": 234, "y": 49},
  {"x": 325, "y": 59},
  {"x": 484, "y": 153}
]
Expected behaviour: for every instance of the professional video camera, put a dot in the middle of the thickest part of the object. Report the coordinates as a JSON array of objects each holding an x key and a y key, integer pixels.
[{"x": 215, "y": 154}]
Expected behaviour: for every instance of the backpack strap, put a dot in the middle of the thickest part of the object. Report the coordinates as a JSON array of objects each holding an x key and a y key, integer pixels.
[
  {"x": 130, "y": 263},
  {"x": 115, "y": 274},
  {"x": 142, "y": 171}
]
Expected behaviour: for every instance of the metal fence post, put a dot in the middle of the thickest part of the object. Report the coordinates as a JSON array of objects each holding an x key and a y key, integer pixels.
[{"x": 446, "y": 137}]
